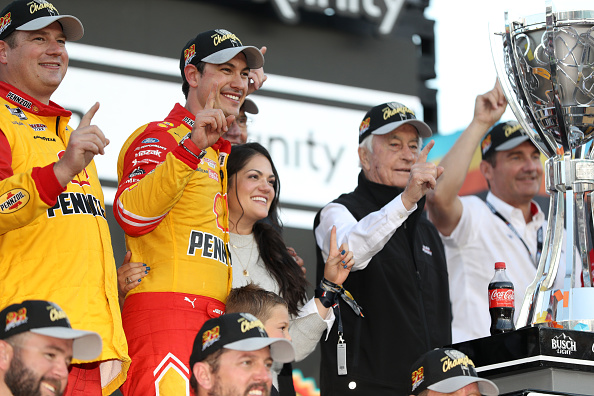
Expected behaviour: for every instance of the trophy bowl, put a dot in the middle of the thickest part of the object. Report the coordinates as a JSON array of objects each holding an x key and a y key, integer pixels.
[{"x": 545, "y": 65}]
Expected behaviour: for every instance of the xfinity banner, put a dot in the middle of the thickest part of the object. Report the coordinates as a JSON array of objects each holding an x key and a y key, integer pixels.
[{"x": 314, "y": 146}]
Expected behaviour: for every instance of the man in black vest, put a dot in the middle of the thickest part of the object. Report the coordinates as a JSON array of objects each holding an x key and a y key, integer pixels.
[{"x": 400, "y": 276}]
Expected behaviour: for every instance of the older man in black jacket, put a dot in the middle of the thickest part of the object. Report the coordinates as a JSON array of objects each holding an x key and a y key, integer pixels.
[{"x": 400, "y": 275}]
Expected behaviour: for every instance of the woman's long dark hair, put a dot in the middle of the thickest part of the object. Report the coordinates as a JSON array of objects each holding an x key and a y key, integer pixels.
[{"x": 267, "y": 232}]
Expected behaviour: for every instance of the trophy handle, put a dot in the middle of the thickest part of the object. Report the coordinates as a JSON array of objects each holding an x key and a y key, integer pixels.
[{"x": 503, "y": 46}]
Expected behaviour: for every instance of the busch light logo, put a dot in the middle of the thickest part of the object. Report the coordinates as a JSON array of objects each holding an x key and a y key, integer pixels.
[{"x": 563, "y": 344}]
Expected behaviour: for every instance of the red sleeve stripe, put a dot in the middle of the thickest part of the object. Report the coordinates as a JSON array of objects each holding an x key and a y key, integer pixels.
[{"x": 129, "y": 220}]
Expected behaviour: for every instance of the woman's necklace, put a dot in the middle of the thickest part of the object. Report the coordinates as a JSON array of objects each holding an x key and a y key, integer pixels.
[{"x": 246, "y": 273}]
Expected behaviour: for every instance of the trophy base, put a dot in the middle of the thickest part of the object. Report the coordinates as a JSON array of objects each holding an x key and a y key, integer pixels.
[{"x": 535, "y": 358}]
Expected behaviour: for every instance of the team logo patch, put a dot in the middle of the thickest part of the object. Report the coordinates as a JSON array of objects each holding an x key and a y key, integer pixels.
[
  {"x": 189, "y": 54},
  {"x": 220, "y": 209},
  {"x": 211, "y": 336},
  {"x": 13, "y": 200},
  {"x": 38, "y": 127},
  {"x": 5, "y": 21},
  {"x": 364, "y": 125},
  {"x": 136, "y": 172},
  {"x": 150, "y": 140},
  {"x": 16, "y": 112},
  {"x": 14, "y": 319}
]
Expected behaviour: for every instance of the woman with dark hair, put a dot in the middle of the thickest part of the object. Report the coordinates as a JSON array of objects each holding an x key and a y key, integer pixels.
[{"x": 259, "y": 254}]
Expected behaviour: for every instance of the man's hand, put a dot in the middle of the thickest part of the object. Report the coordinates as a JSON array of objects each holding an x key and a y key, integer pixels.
[
  {"x": 423, "y": 176},
  {"x": 210, "y": 123},
  {"x": 256, "y": 77},
  {"x": 85, "y": 142},
  {"x": 490, "y": 106}
]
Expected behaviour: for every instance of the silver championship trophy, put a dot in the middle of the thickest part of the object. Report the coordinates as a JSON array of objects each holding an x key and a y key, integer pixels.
[{"x": 545, "y": 65}]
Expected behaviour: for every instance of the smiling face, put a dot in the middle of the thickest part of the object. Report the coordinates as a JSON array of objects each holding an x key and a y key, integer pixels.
[
  {"x": 231, "y": 79},
  {"x": 517, "y": 174},
  {"x": 39, "y": 365},
  {"x": 393, "y": 156},
  {"x": 243, "y": 373},
  {"x": 38, "y": 62},
  {"x": 251, "y": 191}
]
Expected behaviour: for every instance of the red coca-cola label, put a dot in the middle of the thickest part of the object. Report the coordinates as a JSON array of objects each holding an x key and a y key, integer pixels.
[{"x": 501, "y": 298}]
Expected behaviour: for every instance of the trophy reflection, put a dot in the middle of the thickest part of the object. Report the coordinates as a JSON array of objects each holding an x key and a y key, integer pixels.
[{"x": 545, "y": 64}]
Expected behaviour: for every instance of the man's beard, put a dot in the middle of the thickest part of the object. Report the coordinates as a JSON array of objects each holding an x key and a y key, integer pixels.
[
  {"x": 218, "y": 391},
  {"x": 23, "y": 382}
]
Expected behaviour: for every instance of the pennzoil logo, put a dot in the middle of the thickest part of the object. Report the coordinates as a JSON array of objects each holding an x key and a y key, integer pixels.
[
  {"x": 13, "y": 200},
  {"x": 189, "y": 54},
  {"x": 211, "y": 336},
  {"x": 5, "y": 21},
  {"x": 14, "y": 319},
  {"x": 20, "y": 101}
]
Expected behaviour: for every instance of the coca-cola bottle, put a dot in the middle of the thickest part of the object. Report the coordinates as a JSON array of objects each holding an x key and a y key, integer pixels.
[{"x": 501, "y": 301}]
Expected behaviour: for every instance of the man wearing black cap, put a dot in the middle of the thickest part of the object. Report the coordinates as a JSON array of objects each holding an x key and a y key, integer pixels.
[
  {"x": 446, "y": 371},
  {"x": 508, "y": 226},
  {"x": 54, "y": 236},
  {"x": 399, "y": 277},
  {"x": 238, "y": 133},
  {"x": 171, "y": 202},
  {"x": 233, "y": 355},
  {"x": 37, "y": 345}
]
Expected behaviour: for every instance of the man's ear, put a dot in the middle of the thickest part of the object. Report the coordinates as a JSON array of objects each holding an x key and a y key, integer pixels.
[
  {"x": 192, "y": 75},
  {"x": 3, "y": 52},
  {"x": 486, "y": 169},
  {"x": 6, "y": 353},
  {"x": 204, "y": 375},
  {"x": 364, "y": 156}
]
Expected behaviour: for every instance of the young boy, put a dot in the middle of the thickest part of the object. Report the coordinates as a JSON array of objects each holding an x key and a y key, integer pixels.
[{"x": 273, "y": 312}]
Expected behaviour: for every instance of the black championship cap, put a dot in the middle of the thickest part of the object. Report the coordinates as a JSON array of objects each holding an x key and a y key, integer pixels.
[
  {"x": 503, "y": 136},
  {"x": 239, "y": 332},
  {"x": 447, "y": 370},
  {"x": 48, "y": 319},
  {"x": 386, "y": 117},
  {"x": 249, "y": 106},
  {"x": 31, "y": 15},
  {"x": 218, "y": 46}
]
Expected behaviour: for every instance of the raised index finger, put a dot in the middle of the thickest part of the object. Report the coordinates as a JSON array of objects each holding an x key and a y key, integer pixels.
[
  {"x": 333, "y": 252},
  {"x": 425, "y": 152},
  {"x": 210, "y": 101},
  {"x": 88, "y": 117}
]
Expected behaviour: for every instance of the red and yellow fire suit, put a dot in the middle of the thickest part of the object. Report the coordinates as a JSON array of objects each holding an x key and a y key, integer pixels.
[
  {"x": 54, "y": 242},
  {"x": 173, "y": 209}
]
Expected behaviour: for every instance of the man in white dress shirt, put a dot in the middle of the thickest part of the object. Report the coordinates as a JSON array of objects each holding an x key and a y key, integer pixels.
[{"x": 509, "y": 226}]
